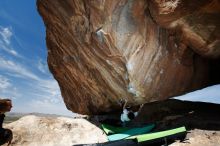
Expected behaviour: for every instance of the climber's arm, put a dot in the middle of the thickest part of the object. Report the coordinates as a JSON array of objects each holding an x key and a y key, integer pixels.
[
  {"x": 141, "y": 106},
  {"x": 125, "y": 104}
]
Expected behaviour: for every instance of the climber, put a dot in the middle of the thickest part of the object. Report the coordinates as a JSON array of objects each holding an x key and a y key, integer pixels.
[
  {"x": 129, "y": 113},
  {"x": 5, "y": 134}
]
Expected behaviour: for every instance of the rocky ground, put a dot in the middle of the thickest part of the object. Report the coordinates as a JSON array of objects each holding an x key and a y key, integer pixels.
[
  {"x": 199, "y": 137},
  {"x": 201, "y": 120},
  {"x": 52, "y": 131}
]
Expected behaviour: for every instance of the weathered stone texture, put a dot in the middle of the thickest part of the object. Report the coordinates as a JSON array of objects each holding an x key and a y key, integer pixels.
[{"x": 100, "y": 51}]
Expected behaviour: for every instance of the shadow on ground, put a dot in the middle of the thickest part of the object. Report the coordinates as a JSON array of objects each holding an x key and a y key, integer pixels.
[
  {"x": 174, "y": 113},
  {"x": 169, "y": 114},
  {"x": 166, "y": 115}
]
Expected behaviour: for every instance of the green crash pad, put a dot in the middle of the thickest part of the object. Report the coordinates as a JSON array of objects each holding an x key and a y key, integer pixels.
[
  {"x": 131, "y": 132},
  {"x": 112, "y": 129},
  {"x": 157, "y": 135}
]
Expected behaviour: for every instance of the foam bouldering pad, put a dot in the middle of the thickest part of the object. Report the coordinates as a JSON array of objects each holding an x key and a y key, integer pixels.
[
  {"x": 131, "y": 132},
  {"x": 127, "y": 142},
  {"x": 152, "y": 139},
  {"x": 108, "y": 129},
  {"x": 158, "y": 135}
]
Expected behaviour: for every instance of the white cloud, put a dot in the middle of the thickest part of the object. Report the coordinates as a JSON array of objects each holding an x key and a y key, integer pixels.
[
  {"x": 46, "y": 90},
  {"x": 45, "y": 93},
  {"x": 11, "y": 19},
  {"x": 42, "y": 66},
  {"x": 8, "y": 49},
  {"x": 6, "y": 33},
  {"x": 18, "y": 69},
  {"x": 5, "y": 40},
  {"x": 4, "y": 83},
  {"x": 7, "y": 90},
  {"x": 45, "y": 98},
  {"x": 43, "y": 88}
]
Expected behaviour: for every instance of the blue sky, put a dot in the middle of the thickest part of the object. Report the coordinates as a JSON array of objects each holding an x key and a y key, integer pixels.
[{"x": 24, "y": 74}]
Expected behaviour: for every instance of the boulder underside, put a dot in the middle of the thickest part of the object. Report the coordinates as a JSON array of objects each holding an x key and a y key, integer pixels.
[{"x": 101, "y": 51}]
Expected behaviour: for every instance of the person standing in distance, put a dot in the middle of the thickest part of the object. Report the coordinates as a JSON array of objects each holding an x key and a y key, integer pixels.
[{"x": 6, "y": 135}]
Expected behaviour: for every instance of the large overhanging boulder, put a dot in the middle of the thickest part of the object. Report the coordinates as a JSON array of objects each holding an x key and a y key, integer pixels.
[{"x": 101, "y": 51}]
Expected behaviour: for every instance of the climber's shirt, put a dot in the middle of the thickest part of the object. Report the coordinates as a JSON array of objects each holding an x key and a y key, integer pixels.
[{"x": 124, "y": 115}]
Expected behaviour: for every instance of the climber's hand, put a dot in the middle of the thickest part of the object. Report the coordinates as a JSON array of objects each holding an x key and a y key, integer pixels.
[
  {"x": 141, "y": 105},
  {"x": 123, "y": 101}
]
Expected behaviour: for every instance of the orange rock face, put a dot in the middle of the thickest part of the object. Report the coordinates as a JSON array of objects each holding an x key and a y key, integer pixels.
[{"x": 101, "y": 51}]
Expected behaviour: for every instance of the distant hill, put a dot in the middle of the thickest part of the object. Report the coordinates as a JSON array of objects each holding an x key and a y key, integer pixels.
[{"x": 13, "y": 116}]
